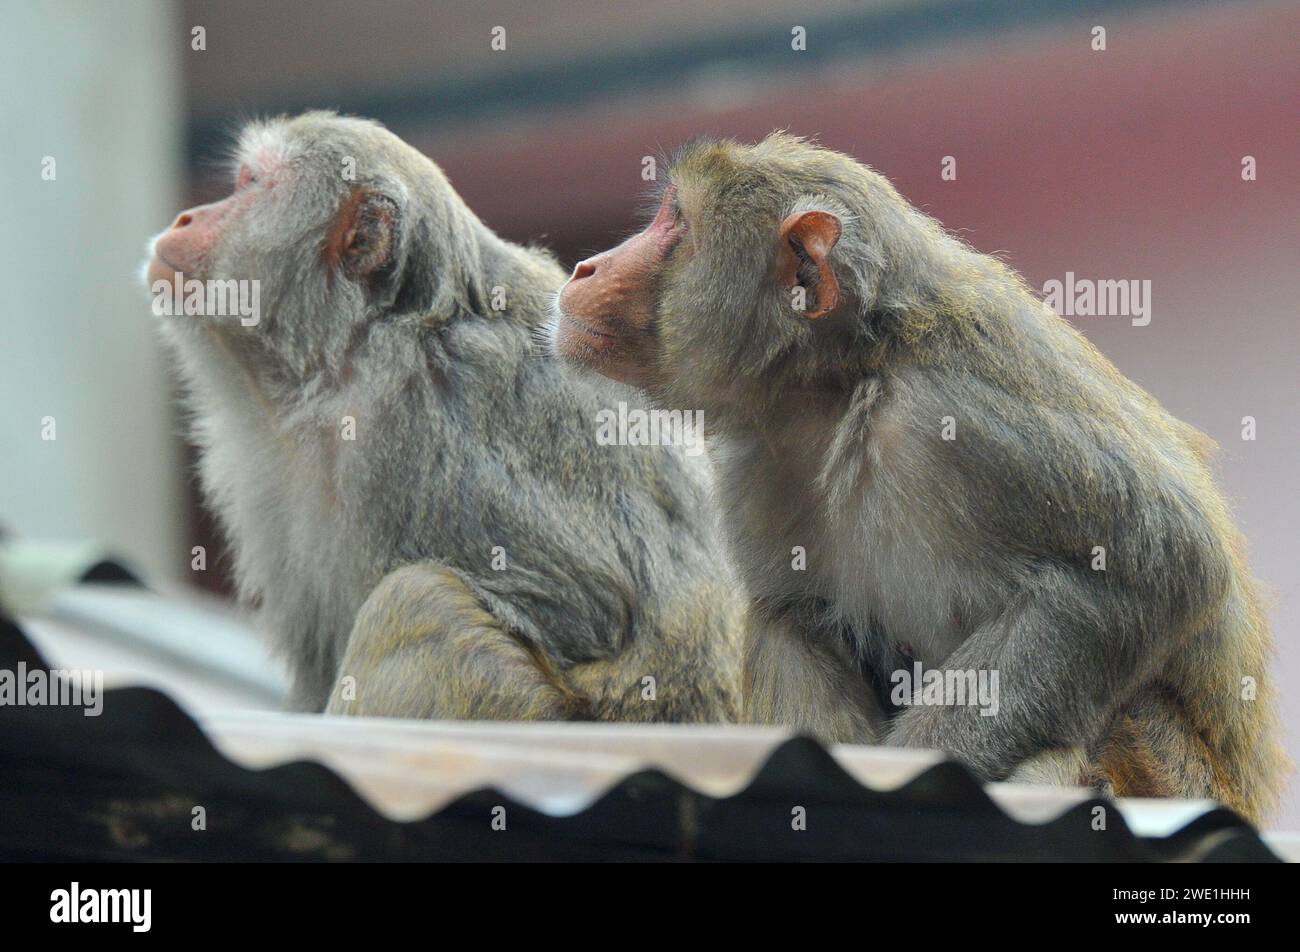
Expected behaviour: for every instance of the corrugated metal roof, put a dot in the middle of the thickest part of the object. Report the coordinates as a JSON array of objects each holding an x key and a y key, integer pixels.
[{"x": 126, "y": 785}]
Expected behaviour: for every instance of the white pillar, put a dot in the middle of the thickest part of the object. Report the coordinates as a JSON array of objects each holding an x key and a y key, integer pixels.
[{"x": 94, "y": 86}]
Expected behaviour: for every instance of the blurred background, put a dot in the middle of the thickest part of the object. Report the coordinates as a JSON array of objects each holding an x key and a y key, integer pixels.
[{"x": 1112, "y": 164}]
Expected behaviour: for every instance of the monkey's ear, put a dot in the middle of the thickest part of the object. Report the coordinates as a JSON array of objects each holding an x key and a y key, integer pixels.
[
  {"x": 364, "y": 235},
  {"x": 806, "y": 242}
]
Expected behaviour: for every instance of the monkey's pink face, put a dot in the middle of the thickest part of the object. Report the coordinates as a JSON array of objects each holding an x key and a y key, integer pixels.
[
  {"x": 607, "y": 307},
  {"x": 619, "y": 309},
  {"x": 186, "y": 248}
]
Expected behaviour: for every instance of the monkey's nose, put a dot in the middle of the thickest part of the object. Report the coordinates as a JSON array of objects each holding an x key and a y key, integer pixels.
[{"x": 583, "y": 269}]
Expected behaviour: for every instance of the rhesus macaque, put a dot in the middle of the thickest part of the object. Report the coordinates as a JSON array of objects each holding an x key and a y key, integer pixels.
[
  {"x": 415, "y": 494},
  {"x": 972, "y": 485}
]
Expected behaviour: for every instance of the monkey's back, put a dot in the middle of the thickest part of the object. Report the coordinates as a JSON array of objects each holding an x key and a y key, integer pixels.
[
  {"x": 586, "y": 550},
  {"x": 1205, "y": 723}
]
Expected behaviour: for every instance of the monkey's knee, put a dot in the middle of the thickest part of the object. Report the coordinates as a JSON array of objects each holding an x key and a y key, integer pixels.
[{"x": 424, "y": 645}]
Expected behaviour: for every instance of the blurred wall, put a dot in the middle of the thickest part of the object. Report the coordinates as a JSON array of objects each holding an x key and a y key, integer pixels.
[{"x": 94, "y": 86}]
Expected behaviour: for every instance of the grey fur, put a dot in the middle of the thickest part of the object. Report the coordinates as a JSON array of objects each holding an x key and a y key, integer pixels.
[
  {"x": 466, "y": 438},
  {"x": 966, "y": 554}
]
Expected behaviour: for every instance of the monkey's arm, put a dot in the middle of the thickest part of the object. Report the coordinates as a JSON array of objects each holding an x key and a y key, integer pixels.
[
  {"x": 1027, "y": 490},
  {"x": 423, "y": 645},
  {"x": 1064, "y": 656},
  {"x": 810, "y": 684}
]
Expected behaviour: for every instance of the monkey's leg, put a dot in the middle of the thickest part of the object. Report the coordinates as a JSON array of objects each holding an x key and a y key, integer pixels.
[
  {"x": 625, "y": 688},
  {"x": 1155, "y": 750},
  {"x": 812, "y": 685},
  {"x": 1095, "y": 648},
  {"x": 686, "y": 670},
  {"x": 423, "y": 645}
]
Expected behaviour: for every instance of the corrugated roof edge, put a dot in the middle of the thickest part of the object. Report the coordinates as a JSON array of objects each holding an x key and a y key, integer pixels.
[{"x": 126, "y": 785}]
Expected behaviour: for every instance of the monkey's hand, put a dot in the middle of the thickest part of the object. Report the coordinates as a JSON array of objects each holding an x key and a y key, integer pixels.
[{"x": 929, "y": 728}]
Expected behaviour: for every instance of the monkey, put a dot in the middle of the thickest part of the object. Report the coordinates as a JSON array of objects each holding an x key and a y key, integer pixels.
[
  {"x": 973, "y": 486},
  {"x": 418, "y": 508}
]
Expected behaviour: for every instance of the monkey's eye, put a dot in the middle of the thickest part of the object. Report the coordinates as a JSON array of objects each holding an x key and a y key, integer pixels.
[{"x": 246, "y": 177}]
